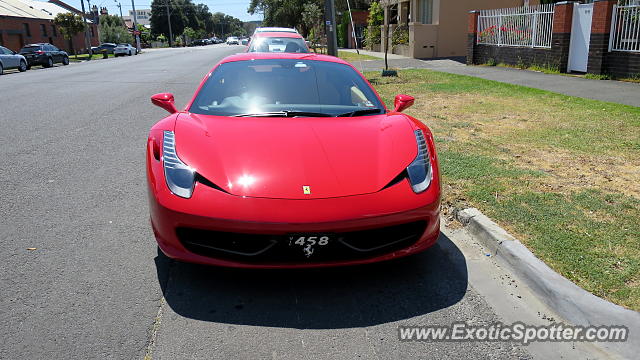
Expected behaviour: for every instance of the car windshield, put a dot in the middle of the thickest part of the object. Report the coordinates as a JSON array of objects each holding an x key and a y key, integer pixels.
[
  {"x": 264, "y": 86},
  {"x": 278, "y": 44}
]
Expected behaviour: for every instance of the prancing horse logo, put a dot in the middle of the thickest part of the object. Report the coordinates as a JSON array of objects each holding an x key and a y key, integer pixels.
[{"x": 306, "y": 189}]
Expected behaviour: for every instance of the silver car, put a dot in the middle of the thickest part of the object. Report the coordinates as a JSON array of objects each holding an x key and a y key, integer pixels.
[
  {"x": 9, "y": 59},
  {"x": 124, "y": 49}
]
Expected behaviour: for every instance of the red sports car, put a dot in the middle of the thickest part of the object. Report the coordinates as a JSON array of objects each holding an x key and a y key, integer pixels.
[{"x": 290, "y": 160}]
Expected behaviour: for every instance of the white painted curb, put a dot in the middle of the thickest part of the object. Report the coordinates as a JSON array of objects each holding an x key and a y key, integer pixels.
[{"x": 576, "y": 305}]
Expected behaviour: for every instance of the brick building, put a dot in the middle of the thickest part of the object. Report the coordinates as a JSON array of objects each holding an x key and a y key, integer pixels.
[{"x": 29, "y": 21}]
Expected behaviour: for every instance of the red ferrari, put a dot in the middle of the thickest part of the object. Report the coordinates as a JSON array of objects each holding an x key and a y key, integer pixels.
[{"x": 290, "y": 160}]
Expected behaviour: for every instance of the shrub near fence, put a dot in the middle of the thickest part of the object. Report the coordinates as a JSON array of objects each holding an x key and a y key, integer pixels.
[{"x": 529, "y": 26}]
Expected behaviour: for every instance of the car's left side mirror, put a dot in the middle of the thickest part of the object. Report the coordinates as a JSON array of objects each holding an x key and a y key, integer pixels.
[
  {"x": 165, "y": 101},
  {"x": 402, "y": 102}
]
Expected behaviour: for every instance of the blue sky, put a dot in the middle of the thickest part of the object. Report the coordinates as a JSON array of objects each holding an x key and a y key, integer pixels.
[{"x": 237, "y": 8}]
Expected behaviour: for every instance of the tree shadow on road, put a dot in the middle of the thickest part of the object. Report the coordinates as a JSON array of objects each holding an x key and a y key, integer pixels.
[{"x": 317, "y": 298}]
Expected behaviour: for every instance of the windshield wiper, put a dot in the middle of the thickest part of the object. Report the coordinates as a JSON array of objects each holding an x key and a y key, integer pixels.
[
  {"x": 285, "y": 113},
  {"x": 360, "y": 112}
]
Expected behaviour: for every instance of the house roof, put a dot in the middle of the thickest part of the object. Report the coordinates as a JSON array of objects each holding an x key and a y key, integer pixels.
[{"x": 31, "y": 9}]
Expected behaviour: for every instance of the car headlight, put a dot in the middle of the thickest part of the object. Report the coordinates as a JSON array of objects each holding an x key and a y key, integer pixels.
[
  {"x": 180, "y": 177},
  {"x": 419, "y": 170}
]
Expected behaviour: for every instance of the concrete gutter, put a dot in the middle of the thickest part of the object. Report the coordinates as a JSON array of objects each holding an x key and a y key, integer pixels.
[{"x": 576, "y": 305}]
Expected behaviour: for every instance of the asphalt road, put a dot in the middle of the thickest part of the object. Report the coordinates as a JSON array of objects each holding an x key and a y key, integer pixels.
[{"x": 73, "y": 187}]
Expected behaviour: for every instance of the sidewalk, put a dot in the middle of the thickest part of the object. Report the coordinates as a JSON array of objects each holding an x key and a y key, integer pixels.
[{"x": 604, "y": 90}]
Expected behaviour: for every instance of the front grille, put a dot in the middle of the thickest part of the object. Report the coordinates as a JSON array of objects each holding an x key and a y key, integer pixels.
[{"x": 261, "y": 248}]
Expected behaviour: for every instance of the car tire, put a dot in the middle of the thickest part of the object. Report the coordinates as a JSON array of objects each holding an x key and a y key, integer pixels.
[
  {"x": 49, "y": 63},
  {"x": 1, "y": 69},
  {"x": 65, "y": 60},
  {"x": 28, "y": 67},
  {"x": 23, "y": 66}
]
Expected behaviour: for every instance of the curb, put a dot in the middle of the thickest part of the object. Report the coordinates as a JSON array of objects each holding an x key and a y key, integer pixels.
[{"x": 576, "y": 305}]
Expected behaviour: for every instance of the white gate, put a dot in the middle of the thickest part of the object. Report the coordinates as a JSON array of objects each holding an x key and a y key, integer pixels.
[
  {"x": 625, "y": 28},
  {"x": 580, "y": 37}
]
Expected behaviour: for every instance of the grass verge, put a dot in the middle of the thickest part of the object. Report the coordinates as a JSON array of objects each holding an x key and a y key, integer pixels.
[
  {"x": 351, "y": 56},
  {"x": 561, "y": 173},
  {"x": 85, "y": 57}
]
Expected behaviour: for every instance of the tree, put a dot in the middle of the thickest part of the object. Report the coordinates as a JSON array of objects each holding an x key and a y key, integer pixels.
[
  {"x": 286, "y": 13},
  {"x": 69, "y": 25},
  {"x": 183, "y": 14},
  {"x": 113, "y": 30},
  {"x": 145, "y": 34},
  {"x": 189, "y": 35},
  {"x": 312, "y": 19},
  {"x": 289, "y": 12}
]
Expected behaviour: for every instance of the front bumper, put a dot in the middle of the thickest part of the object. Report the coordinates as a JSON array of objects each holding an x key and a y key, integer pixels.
[{"x": 216, "y": 228}]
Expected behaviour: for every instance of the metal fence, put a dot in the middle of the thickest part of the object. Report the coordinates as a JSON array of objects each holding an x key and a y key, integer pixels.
[
  {"x": 625, "y": 28},
  {"x": 529, "y": 26}
]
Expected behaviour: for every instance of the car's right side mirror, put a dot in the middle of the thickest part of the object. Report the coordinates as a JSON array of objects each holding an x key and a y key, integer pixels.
[
  {"x": 165, "y": 101},
  {"x": 402, "y": 102}
]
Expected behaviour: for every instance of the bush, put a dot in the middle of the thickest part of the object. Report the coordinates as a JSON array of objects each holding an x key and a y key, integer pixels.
[{"x": 400, "y": 35}]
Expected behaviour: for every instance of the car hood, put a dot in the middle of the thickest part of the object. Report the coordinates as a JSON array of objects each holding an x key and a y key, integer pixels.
[{"x": 277, "y": 157}]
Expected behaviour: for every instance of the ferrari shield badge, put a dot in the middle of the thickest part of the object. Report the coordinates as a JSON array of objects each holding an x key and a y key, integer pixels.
[{"x": 306, "y": 190}]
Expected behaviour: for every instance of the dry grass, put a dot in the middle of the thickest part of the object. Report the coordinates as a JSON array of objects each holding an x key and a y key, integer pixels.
[{"x": 560, "y": 173}]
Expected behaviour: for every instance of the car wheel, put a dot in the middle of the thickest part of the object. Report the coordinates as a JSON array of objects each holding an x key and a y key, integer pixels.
[
  {"x": 1, "y": 70},
  {"x": 23, "y": 66},
  {"x": 130, "y": 53},
  {"x": 49, "y": 63},
  {"x": 65, "y": 60}
]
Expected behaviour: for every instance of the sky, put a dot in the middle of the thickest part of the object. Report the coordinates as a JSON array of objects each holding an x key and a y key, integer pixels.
[{"x": 237, "y": 8}]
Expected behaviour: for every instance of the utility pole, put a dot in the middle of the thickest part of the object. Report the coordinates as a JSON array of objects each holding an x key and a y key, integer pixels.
[
  {"x": 87, "y": 43},
  {"x": 166, "y": 2},
  {"x": 136, "y": 33},
  {"x": 120, "y": 7},
  {"x": 330, "y": 26}
]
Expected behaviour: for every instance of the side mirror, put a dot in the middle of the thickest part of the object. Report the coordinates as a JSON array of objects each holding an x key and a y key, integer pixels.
[
  {"x": 165, "y": 101},
  {"x": 402, "y": 102}
]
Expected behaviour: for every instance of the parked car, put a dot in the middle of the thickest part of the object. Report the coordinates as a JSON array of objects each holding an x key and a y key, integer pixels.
[
  {"x": 327, "y": 176},
  {"x": 283, "y": 42},
  {"x": 124, "y": 49},
  {"x": 275, "y": 29},
  {"x": 217, "y": 40},
  {"x": 232, "y": 40},
  {"x": 104, "y": 48},
  {"x": 44, "y": 54},
  {"x": 10, "y": 59},
  {"x": 244, "y": 41},
  {"x": 198, "y": 42}
]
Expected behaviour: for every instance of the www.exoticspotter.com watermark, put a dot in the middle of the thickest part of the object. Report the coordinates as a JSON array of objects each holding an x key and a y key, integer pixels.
[{"x": 517, "y": 332}]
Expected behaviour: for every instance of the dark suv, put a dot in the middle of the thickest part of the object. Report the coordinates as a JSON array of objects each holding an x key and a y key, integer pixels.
[{"x": 44, "y": 54}]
